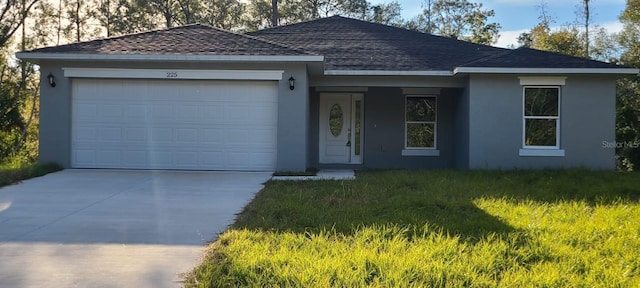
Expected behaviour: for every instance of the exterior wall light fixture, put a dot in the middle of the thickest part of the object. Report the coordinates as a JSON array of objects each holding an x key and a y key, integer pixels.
[
  {"x": 52, "y": 80},
  {"x": 292, "y": 83}
]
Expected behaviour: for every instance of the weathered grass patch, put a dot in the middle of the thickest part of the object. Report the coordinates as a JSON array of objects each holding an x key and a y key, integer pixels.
[
  {"x": 10, "y": 174},
  {"x": 435, "y": 229}
]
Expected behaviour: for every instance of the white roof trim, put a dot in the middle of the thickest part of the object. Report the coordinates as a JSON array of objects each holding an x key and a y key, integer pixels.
[
  {"x": 538, "y": 81},
  {"x": 341, "y": 89},
  {"x": 172, "y": 74},
  {"x": 386, "y": 73},
  {"x": 164, "y": 57},
  {"x": 491, "y": 70}
]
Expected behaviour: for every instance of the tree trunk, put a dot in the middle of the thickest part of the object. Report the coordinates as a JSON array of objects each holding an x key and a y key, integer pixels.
[
  {"x": 274, "y": 13},
  {"x": 586, "y": 27},
  {"x": 78, "y": 24}
]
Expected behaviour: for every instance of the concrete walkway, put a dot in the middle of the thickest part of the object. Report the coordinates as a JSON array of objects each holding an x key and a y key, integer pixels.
[
  {"x": 114, "y": 228},
  {"x": 325, "y": 174}
]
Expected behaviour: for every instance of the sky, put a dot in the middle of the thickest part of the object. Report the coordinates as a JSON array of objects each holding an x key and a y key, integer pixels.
[{"x": 517, "y": 16}]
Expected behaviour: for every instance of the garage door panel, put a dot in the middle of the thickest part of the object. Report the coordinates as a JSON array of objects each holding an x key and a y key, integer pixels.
[
  {"x": 111, "y": 134},
  {"x": 85, "y": 156},
  {"x": 86, "y": 134},
  {"x": 136, "y": 111},
  {"x": 212, "y": 136},
  {"x": 135, "y": 134},
  {"x": 110, "y": 157},
  {"x": 156, "y": 124}
]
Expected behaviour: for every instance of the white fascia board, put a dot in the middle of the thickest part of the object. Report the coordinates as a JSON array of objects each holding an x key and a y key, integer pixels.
[
  {"x": 341, "y": 89},
  {"x": 490, "y": 70},
  {"x": 385, "y": 73},
  {"x": 540, "y": 81},
  {"x": 161, "y": 57},
  {"x": 171, "y": 74}
]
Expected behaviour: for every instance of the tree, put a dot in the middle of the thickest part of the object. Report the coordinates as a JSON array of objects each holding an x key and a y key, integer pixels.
[
  {"x": 566, "y": 40},
  {"x": 224, "y": 14},
  {"x": 628, "y": 92},
  {"x": 129, "y": 16},
  {"x": 587, "y": 15},
  {"x": 13, "y": 14},
  {"x": 389, "y": 14},
  {"x": 260, "y": 12},
  {"x": 458, "y": 19},
  {"x": 79, "y": 14}
]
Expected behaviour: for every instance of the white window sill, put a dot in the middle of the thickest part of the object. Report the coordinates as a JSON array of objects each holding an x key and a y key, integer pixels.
[
  {"x": 542, "y": 152},
  {"x": 420, "y": 152}
]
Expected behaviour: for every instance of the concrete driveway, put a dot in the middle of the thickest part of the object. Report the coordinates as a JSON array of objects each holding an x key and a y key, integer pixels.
[{"x": 115, "y": 228}]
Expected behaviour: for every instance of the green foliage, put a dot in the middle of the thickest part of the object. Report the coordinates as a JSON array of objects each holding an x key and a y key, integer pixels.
[
  {"x": 19, "y": 111},
  {"x": 458, "y": 19},
  {"x": 292, "y": 11},
  {"x": 389, "y": 14},
  {"x": 628, "y": 96},
  {"x": 566, "y": 40},
  {"x": 571, "y": 228},
  {"x": 630, "y": 35},
  {"x": 13, "y": 173},
  {"x": 628, "y": 123}
]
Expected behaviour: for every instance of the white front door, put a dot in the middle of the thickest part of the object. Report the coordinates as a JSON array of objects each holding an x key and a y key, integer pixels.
[{"x": 341, "y": 129}]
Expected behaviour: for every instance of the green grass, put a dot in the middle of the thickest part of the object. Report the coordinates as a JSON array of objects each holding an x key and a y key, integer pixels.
[
  {"x": 570, "y": 228},
  {"x": 10, "y": 174}
]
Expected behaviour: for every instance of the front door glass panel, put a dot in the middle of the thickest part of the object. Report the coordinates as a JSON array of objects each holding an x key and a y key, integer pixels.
[{"x": 336, "y": 120}]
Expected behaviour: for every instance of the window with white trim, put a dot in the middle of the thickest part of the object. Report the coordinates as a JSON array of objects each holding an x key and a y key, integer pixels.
[
  {"x": 420, "y": 121},
  {"x": 541, "y": 113}
]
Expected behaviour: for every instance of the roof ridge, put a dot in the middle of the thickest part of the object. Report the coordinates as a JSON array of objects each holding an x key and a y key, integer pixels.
[
  {"x": 372, "y": 23},
  {"x": 276, "y": 44},
  {"x": 252, "y": 38}
]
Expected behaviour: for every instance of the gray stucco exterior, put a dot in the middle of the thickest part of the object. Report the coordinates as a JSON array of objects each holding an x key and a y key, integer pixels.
[
  {"x": 587, "y": 118},
  {"x": 479, "y": 123},
  {"x": 480, "y": 126}
]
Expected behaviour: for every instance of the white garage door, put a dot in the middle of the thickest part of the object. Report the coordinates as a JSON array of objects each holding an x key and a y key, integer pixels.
[{"x": 180, "y": 124}]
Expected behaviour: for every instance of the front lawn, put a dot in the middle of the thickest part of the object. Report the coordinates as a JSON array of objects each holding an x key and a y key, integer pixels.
[{"x": 571, "y": 228}]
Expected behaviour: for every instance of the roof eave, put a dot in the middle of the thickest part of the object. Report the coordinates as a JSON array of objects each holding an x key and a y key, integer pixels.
[
  {"x": 387, "y": 73},
  {"x": 499, "y": 70},
  {"x": 36, "y": 57}
]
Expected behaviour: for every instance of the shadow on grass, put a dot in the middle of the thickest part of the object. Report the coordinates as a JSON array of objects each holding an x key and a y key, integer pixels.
[{"x": 434, "y": 199}]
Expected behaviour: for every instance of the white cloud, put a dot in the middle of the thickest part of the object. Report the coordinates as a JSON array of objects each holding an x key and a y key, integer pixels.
[
  {"x": 612, "y": 27},
  {"x": 508, "y": 38}
]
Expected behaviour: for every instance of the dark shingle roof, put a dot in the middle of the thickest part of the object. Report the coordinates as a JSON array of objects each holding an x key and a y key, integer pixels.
[
  {"x": 532, "y": 58},
  {"x": 193, "y": 39},
  {"x": 350, "y": 44},
  {"x": 346, "y": 44}
]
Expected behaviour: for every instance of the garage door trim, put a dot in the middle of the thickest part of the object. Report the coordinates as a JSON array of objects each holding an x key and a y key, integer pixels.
[{"x": 173, "y": 74}]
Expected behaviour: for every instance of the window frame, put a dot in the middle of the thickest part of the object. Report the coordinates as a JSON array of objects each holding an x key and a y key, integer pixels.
[
  {"x": 557, "y": 118},
  {"x": 411, "y": 151}
]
